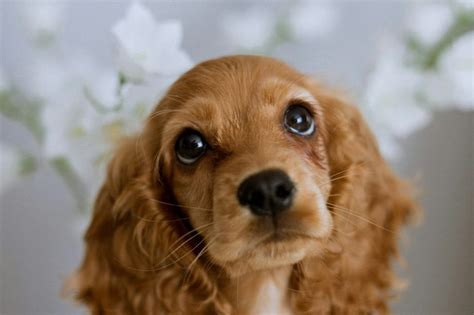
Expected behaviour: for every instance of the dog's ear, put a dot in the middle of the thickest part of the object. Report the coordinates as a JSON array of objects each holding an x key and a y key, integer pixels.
[
  {"x": 361, "y": 180},
  {"x": 139, "y": 246},
  {"x": 368, "y": 204}
]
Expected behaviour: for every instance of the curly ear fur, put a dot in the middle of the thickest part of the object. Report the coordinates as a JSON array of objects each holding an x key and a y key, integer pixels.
[
  {"x": 134, "y": 263},
  {"x": 368, "y": 204}
]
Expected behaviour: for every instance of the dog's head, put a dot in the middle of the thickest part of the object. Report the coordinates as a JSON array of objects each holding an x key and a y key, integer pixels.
[
  {"x": 245, "y": 165},
  {"x": 242, "y": 149}
]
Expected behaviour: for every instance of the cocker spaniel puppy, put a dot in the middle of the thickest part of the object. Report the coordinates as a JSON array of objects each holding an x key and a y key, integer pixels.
[{"x": 251, "y": 190}]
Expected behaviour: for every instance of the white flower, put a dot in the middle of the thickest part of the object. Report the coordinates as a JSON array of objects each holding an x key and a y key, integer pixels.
[
  {"x": 48, "y": 78},
  {"x": 464, "y": 4},
  {"x": 437, "y": 90},
  {"x": 311, "y": 19},
  {"x": 132, "y": 71},
  {"x": 72, "y": 124},
  {"x": 43, "y": 19},
  {"x": 85, "y": 113},
  {"x": 391, "y": 101},
  {"x": 54, "y": 78},
  {"x": 103, "y": 89},
  {"x": 75, "y": 131},
  {"x": 392, "y": 94},
  {"x": 139, "y": 100},
  {"x": 9, "y": 166},
  {"x": 153, "y": 46},
  {"x": 249, "y": 29},
  {"x": 457, "y": 67},
  {"x": 450, "y": 85},
  {"x": 429, "y": 21}
]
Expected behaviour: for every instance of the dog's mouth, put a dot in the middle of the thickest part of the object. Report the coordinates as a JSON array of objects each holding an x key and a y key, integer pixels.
[
  {"x": 280, "y": 235},
  {"x": 270, "y": 248},
  {"x": 276, "y": 249},
  {"x": 294, "y": 225},
  {"x": 280, "y": 242}
]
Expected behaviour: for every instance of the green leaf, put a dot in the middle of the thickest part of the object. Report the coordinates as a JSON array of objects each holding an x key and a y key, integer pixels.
[
  {"x": 27, "y": 112},
  {"x": 463, "y": 24},
  {"x": 72, "y": 180},
  {"x": 27, "y": 164}
]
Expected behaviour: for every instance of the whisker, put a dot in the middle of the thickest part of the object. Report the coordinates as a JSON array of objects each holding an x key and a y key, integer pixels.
[
  {"x": 154, "y": 268},
  {"x": 203, "y": 250},
  {"x": 342, "y": 174},
  {"x": 158, "y": 220},
  {"x": 359, "y": 216},
  {"x": 180, "y": 258},
  {"x": 184, "y": 243},
  {"x": 354, "y": 166},
  {"x": 344, "y": 217},
  {"x": 332, "y": 180},
  {"x": 180, "y": 206}
]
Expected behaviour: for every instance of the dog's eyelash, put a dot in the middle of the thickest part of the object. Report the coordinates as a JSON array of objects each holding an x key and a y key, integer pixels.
[{"x": 309, "y": 106}]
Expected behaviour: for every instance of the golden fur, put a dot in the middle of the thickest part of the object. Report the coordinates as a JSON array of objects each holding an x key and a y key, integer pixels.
[{"x": 172, "y": 239}]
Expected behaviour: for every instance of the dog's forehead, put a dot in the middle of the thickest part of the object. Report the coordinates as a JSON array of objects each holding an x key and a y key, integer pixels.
[
  {"x": 233, "y": 99},
  {"x": 228, "y": 113}
]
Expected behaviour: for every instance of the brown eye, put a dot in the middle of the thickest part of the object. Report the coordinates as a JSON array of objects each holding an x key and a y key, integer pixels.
[
  {"x": 298, "y": 120},
  {"x": 190, "y": 147}
]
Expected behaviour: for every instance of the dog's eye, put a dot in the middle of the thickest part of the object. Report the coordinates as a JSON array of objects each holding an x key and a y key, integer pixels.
[
  {"x": 190, "y": 147},
  {"x": 298, "y": 120}
]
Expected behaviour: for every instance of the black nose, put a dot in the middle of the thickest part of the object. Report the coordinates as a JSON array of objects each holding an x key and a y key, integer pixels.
[{"x": 266, "y": 193}]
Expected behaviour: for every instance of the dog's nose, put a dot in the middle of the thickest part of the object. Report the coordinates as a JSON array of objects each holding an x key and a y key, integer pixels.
[{"x": 267, "y": 193}]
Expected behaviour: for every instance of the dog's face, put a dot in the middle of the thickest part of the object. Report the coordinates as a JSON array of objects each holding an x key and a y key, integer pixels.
[{"x": 243, "y": 153}]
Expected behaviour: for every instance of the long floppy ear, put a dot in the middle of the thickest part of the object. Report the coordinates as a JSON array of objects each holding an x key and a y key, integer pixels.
[
  {"x": 138, "y": 248},
  {"x": 368, "y": 204}
]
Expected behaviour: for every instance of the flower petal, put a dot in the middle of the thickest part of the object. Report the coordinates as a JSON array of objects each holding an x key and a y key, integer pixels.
[
  {"x": 150, "y": 45},
  {"x": 457, "y": 67},
  {"x": 311, "y": 19},
  {"x": 429, "y": 21},
  {"x": 136, "y": 31},
  {"x": 249, "y": 29}
]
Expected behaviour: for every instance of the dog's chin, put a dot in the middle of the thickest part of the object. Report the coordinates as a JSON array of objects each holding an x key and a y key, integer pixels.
[{"x": 274, "y": 251}]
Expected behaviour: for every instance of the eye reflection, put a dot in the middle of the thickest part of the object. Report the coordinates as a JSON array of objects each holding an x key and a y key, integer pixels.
[
  {"x": 298, "y": 120},
  {"x": 190, "y": 147}
]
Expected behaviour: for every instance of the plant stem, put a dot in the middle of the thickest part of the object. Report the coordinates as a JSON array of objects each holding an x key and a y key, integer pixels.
[
  {"x": 464, "y": 23},
  {"x": 72, "y": 180},
  {"x": 17, "y": 107}
]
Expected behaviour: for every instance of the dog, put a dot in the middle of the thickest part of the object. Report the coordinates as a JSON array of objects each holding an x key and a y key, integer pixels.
[{"x": 252, "y": 189}]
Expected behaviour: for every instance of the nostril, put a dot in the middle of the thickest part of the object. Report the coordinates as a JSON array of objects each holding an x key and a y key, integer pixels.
[
  {"x": 283, "y": 191},
  {"x": 257, "y": 199}
]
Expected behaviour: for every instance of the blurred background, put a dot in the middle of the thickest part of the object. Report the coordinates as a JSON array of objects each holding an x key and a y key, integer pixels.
[{"x": 77, "y": 75}]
